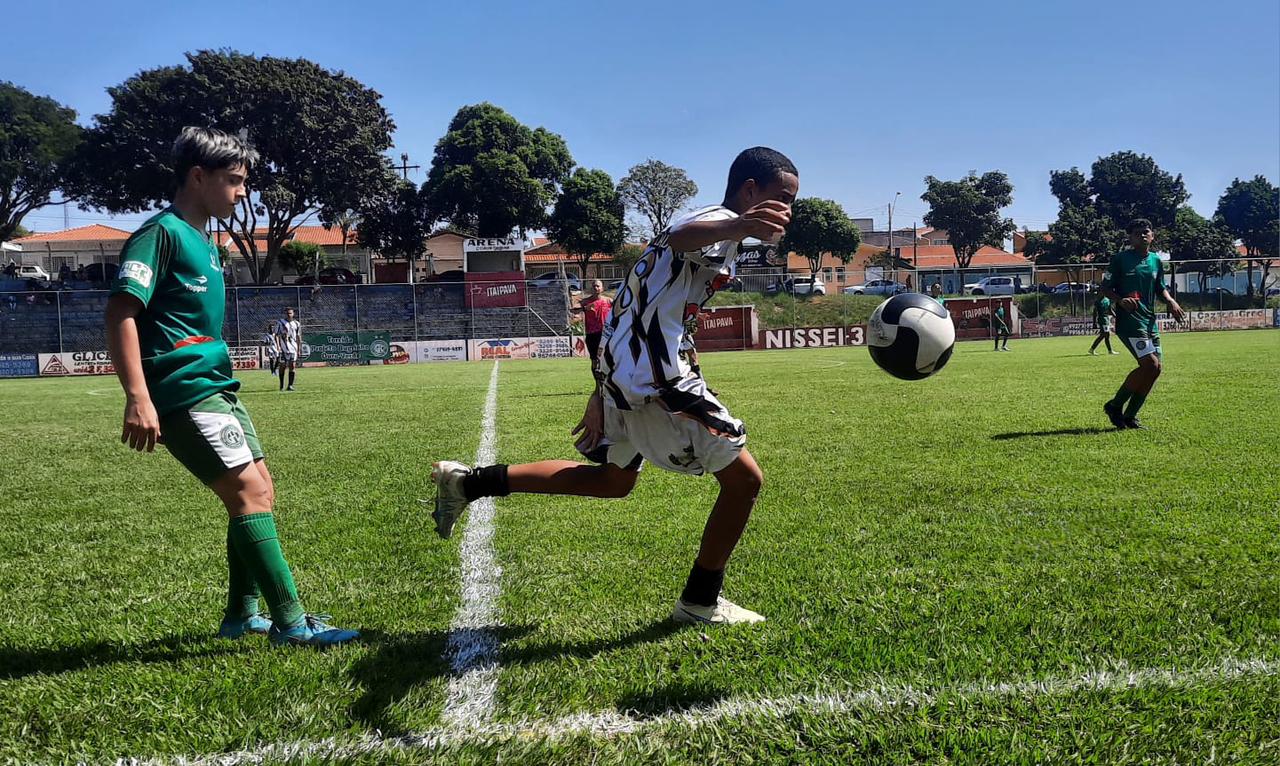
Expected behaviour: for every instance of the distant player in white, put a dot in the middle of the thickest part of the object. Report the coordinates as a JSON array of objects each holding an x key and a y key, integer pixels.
[
  {"x": 270, "y": 348},
  {"x": 649, "y": 405},
  {"x": 288, "y": 334}
]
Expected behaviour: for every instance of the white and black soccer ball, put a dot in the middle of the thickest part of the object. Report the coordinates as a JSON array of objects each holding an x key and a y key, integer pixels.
[{"x": 911, "y": 336}]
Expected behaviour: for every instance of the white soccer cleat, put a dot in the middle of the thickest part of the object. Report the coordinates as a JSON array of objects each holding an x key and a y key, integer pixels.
[
  {"x": 725, "y": 612},
  {"x": 450, "y": 500}
]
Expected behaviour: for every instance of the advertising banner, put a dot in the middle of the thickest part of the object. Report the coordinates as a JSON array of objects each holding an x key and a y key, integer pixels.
[
  {"x": 726, "y": 328},
  {"x": 19, "y": 365},
  {"x": 499, "y": 348},
  {"x": 494, "y": 290},
  {"x": 972, "y": 316},
  {"x": 337, "y": 348},
  {"x": 76, "y": 363},
  {"x": 813, "y": 337}
]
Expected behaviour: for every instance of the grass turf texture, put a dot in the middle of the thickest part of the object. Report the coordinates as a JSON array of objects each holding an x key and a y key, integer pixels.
[{"x": 980, "y": 526}]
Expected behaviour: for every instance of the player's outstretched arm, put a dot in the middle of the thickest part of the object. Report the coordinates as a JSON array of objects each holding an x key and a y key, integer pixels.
[
  {"x": 1174, "y": 308},
  {"x": 141, "y": 423},
  {"x": 764, "y": 221}
]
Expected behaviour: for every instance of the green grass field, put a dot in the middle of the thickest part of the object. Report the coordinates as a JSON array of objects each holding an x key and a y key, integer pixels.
[{"x": 969, "y": 569}]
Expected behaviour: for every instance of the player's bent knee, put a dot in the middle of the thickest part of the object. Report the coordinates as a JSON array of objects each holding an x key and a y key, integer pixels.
[
  {"x": 243, "y": 490},
  {"x": 619, "y": 481}
]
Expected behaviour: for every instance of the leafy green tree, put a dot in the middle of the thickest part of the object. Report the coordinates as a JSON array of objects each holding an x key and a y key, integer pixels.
[
  {"x": 969, "y": 209},
  {"x": 397, "y": 225},
  {"x": 1198, "y": 245},
  {"x": 1250, "y": 210},
  {"x": 302, "y": 257},
  {"x": 820, "y": 226},
  {"x": 588, "y": 217},
  {"x": 492, "y": 175},
  {"x": 1128, "y": 185},
  {"x": 627, "y": 256},
  {"x": 1080, "y": 238},
  {"x": 656, "y": 191},
  {"x": 321, "y": 136},
  {"x": 38, "y": 138}
]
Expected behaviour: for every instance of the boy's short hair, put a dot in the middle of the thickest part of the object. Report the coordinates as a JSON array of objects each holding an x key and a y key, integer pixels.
[
  {"x": 1137, "y": 224},
  {"x": 761, "y": 163},
  {"x": 209, "y": 148}
]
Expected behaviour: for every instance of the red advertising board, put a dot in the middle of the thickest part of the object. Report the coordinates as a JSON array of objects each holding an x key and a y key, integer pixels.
[
  {"x": 972, "y": 316},
  {"x": 726, "y": 328},
  {"x": 494, "y": 289}
]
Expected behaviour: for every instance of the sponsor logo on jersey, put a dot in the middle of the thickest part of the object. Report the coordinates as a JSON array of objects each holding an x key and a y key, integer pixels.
[{"x": 136, "y": 271}]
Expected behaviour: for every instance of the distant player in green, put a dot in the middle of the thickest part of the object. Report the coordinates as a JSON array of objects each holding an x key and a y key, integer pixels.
[
  {"x": 1103, "y": 316},
  {"x": 164, "y": 330},
  {"x": 935, "y": 291},
  {"x": 1000, "y": 328},
  {"x": 1134, "y": 279}
]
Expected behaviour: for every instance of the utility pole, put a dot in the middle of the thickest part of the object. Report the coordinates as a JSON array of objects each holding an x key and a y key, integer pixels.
[
  {"x": 891, "y": 204},
  {"x": 404, "y": 167}
]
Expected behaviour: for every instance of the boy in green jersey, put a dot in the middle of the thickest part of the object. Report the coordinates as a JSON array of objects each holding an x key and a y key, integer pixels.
[
  {"x": 1134, "y": 279},
  {"x": 1103, "y": 317},
  {"x": 164, "y": 331}
]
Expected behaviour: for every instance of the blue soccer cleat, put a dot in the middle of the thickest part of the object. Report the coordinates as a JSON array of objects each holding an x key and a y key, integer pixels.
[
  {"x": 235, "y": 627},
  {"x": 312, "y": 631}
]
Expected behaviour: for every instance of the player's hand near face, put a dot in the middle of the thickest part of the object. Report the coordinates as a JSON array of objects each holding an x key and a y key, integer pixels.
[
  {"x": 766, "y": 220},
  {"x": 591, "y": 426},
  {"x": 141, "y": 425}
]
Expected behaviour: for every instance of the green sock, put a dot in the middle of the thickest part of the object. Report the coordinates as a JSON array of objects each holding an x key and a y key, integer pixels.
[
  {"x": 1135, "y": 404},
  {"x": 242, "y": 592},
  {"x": 254, "y": 538},
  {"x": 1122, "y": 396}
]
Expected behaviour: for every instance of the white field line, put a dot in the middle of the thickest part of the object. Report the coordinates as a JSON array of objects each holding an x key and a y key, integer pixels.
[
  {"x": 473, "y": 643},
  {"x": 613, "y": 723}
]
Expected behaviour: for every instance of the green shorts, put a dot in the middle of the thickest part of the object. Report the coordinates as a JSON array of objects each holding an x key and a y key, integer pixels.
[{"x": 212, "y": 437}]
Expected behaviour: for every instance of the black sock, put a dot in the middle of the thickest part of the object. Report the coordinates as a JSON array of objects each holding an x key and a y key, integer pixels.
[
  {"x": 1108, "y": 340},
  {"x": 1096, "y": 341},
  {"x": 488, "y": 481},
  {"x": 703, "y": 586},
  {"x": 282, "y": 377},
  {"x": 290, "y": 377}
]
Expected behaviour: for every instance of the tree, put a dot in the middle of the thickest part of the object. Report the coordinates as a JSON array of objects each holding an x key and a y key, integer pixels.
[
  {"x": 302, "y": 256},
  {"x": 657, "y": 191},
  {"x": 396, "y": 226},
  {"x": 1128, "y": 185},
  {"x": 321, "y": 136},
  {"x": 820, "y": 226},
  {"x": 627, "y": 256},
  {"x": 1080, "y": 237},
  {"x": 344, "y": 221},
  {"x": 887, "y": 260},
  {"x": 493, "y": 175},
  {"x": 1200, "y": 246},
  {"x": 588, "y": 216},
  {"x": 1250, "y": 210},
  {"x": 969, "y": 209},
  {"x": 38, "y": 138}
]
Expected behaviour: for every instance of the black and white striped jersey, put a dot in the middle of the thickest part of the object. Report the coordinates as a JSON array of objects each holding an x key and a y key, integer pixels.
[{"x": 641, "y": 355}]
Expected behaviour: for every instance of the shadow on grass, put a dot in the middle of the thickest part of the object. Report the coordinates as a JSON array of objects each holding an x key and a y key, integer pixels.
[
  {"x": 395, "y": 664},
  {"x": 659, "y": 702},
  {"x": 17, "y": 662},
  {"x": 1059, "y": 432}
]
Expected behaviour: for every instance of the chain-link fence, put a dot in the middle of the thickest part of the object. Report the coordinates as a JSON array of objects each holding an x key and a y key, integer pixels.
[{"x": 47, "y": 321}]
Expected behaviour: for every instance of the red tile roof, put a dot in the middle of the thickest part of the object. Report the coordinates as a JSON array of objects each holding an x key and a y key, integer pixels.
[
  {"x": 92, "y": 233},
  {"x": 943, "y": 256},
  {"x": 531, "y": 257},
  {"x": 317, "y": 234}
]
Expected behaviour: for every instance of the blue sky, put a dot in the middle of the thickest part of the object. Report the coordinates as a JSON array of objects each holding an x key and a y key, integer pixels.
[{"x": 867, "y": 98}]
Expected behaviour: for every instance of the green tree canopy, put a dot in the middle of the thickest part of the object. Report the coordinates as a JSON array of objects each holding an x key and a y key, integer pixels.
[
  {"x": 1198, "y": 245},
  {"x": 38, "y": 139},
  {"x": 656, "y": 191},
  {"x": 820, "y": 226},
  {"x": 321, "y": 136},
  {"x": 396, "y": 225},
  {"x": 969, "y": 209},
  {"x": 301, "y": 256},
  {"x": 1250, "y": 210},
  {"x": 1128, "y": 185},
  {"x": 492, "y": 175},
  {"x": 588, "y": 217}
]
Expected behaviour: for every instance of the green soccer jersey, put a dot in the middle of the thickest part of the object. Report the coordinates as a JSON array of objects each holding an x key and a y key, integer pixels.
[
  {"x": 1133, "y": 272},
  {"x": 174, "y": 270},
  {"x": 998, "y": 319}
]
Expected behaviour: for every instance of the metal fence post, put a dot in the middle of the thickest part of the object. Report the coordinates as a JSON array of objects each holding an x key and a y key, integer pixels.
[{"x": 58, "y": 304}]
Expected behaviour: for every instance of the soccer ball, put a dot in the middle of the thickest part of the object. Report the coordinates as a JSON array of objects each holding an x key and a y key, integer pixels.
[{"x": 910, "y": 336}]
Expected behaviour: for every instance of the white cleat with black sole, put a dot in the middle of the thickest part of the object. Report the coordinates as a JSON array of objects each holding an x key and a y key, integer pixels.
[{"x": 725, "y": 612}]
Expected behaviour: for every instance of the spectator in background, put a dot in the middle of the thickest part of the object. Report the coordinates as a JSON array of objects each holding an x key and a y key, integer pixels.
[
  {"x": 64, "y": 272},
  {"x": 595, "y": 308}
]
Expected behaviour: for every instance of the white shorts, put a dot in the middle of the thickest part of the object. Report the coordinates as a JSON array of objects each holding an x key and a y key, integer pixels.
[
  {"x": 1143, "y": 346},
  {"x": 288, "y": 356},
  {"x": 701, "y": 437}
]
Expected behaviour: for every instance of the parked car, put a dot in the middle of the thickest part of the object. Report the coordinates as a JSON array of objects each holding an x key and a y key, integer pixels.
[
  {"x": 807, "y": 286},
  {"x": 330, "y": 276},
  {"x": 552, "y": 279},
  {"x": 876, "y": 287},
  {"x": 33, "y": 272},
  {"x": 1273, "y": 291},
  {"x": 1073, "y": 287},
  {"x": 994, "y": 286}
]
